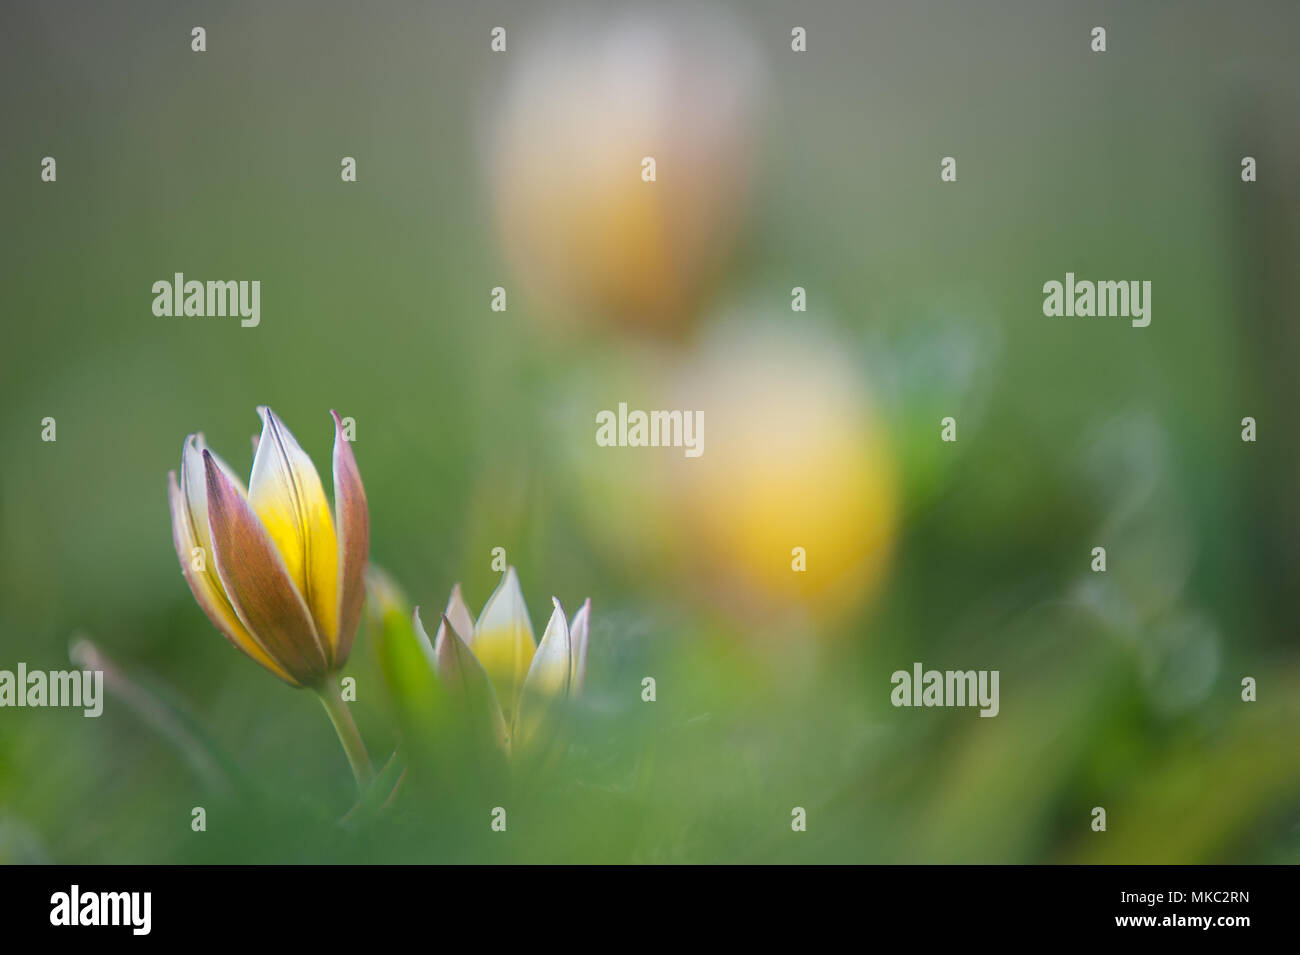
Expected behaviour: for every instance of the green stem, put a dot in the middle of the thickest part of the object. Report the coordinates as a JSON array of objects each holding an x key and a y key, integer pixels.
[{"x": 358, "y": 758}]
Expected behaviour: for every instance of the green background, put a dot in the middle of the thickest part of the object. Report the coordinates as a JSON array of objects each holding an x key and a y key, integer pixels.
[{"x": 1122, "y": 692}]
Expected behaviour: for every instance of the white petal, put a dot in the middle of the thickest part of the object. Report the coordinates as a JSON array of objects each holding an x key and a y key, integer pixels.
[
  {"x": 547, "y": 684},
  {"x": 550, "y": 674},
  {"x": 461, "y": 619},
  {"x": 578, "y": 641}
]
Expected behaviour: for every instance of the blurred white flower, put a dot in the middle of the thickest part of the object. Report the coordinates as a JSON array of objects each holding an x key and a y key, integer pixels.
[{"x": 585, "y": 105}]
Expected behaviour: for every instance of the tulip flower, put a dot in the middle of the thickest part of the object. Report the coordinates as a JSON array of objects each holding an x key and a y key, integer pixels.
[
  {"x": 589, "y": 234},
  {"x": 793, "y": 508},
  {"x": 278, "y": 575},
  {"x": 507, "y": 682}
]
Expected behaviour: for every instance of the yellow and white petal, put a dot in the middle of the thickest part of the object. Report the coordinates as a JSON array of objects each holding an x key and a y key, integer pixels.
[
  {"x": 578, "y": 631},
  {"x": 353, "y": 522},
  {"x": 504, "y": 642},
  {"x": 285, "y": 491},
  {"x": 255, "y": 579},
  {"x": 466, "y": 681},
  {"x": 207, "y": 588}
]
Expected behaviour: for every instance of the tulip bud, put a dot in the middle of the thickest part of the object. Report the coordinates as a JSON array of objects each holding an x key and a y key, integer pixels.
[
  {"x": 276, "y": 573},
  {"x": 508, "y": 686}
]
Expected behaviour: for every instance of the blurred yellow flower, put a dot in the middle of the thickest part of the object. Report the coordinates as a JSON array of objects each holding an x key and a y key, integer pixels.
[
  {"x": 498, "y": 672},
  {"x": 794, "y": 504},
  {"x": 275, "y": 572}
]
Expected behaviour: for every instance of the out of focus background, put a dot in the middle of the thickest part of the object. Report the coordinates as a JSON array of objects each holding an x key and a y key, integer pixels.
[{"x": 475, "y": 427}]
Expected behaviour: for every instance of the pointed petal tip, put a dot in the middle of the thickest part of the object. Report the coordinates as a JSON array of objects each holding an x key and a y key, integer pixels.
[
  {"x": 458, "y": 616},
  {"x": 213, "y": 470},
  {"x": 428, "y": 644},
  {"x": 269, "y": 418},
  {"x": 447, "y": 625}
]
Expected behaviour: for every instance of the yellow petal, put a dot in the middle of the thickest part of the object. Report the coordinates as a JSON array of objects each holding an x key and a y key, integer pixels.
[
  {"x": 286, "y": 493},
  {"x": 205, "y": 585},
  {"x": 504, "y": 642}
]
